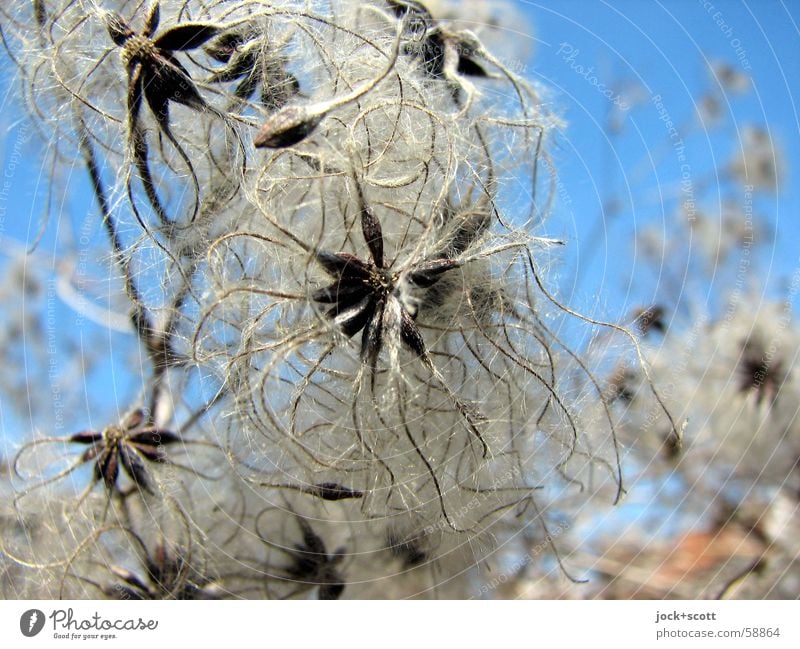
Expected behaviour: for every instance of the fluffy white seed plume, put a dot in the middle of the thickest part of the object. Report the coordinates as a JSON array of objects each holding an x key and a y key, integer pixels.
[{"x": 328, "y": 220}]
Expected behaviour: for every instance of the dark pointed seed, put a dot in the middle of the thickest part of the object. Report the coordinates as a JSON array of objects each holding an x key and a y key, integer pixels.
[
  {"x": 247, "y": 87},
  {"x": 151, "y": 452},
  {"x": 152, "y": 20},
  {"x": 312, "y": 543},
  {"x": 133, "y": 420},
  {"x": 86, "y": 437},
  {"x": 155, "y": 437},
  {"x": 187, "y": 36},
  {"x": 343, "y": 265},
  {"x": 227, "y": 45},
  {"x": 168, "y": 80},
  {"x": 372, "y": 338},
  {"x": 134, "y": 467},
  {"x": 241, "y": 64},
  {"x": 333, "y": 491},
  {"x": 428, "y": 273},
  {"x": 343, "y": 294},
  {"x": 91, "y": 454},
  {"x": 471, "y": 68},
  {"x": 156, "y": 98},
  {"x": 373, "y": 233},
  {"x": 117, "y": 28},
  {"x": 107, "y": 468},
  {"x": 410, "y": 335},
  {"x": 287, "y": 127},
  {"x": 40, "y": 12},
  {"x": 353, "y": 319}
]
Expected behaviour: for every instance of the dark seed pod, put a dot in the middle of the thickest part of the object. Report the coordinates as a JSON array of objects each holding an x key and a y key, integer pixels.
[
  {"x": 40, "y": 12},
  {"x": 227, "y": 44},
  {"x": 650, "y": 319},
  {"x": 287, "y": 127},
  {"x": 333, "y": 491},
  {"x": 428, "y": 273},
  {"x": 187, "y": 36},
  {"x": 118, "y": 29},
  {"x": 673, "y": 444},
  {"x": 292, "y": 124}
]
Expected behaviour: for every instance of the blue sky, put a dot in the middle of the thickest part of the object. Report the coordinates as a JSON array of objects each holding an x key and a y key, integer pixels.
[
  {"x": 582, "y": 48},
  {"x": 664, "y": 48}
]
